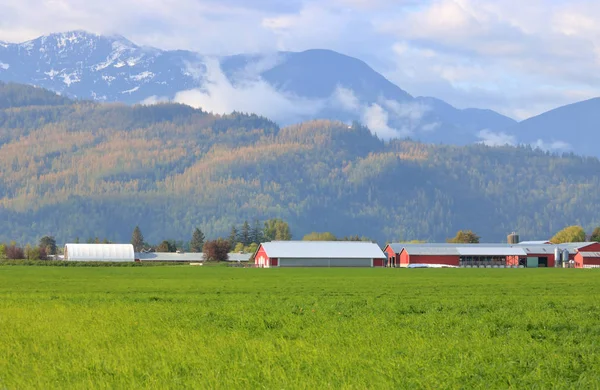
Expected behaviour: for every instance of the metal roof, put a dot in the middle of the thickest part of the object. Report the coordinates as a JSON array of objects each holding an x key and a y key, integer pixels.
[
  {"x": 521, "y": 249},
  {"x": 185, "y": 257},
  {"x": 539, "y": 249},
  {"x": 397, "y": 247},
  {"x": 590, "y": 254},
  {"x": 323, "y": 249},
  {"x": 239, "y": 256},
  {"x": 490, "y": 251},
  {"x": 439, "y": 250},
  {"x": 99, "y": 252},
  {"x": 169, "y": 256}
]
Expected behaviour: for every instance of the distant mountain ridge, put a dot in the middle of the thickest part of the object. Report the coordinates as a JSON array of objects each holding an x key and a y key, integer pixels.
[
  {"x": 82, "y": 65},
  {"x": 312, "y": 84}
]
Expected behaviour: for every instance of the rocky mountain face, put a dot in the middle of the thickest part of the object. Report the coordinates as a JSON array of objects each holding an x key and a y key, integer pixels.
[{"x": 88, "y": 66}]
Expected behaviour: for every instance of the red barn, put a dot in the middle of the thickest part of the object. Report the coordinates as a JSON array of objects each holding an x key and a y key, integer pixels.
[
  {"x": 319, "y": 254},
  {"x": 587, "y": 260},
  {"x": 458, "y": 255}
]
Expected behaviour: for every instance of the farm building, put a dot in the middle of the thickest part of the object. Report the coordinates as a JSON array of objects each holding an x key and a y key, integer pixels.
[
  {"x": 457, "y": 255},
  {"x": 99, "y": 252},
  {"x": 319, "y": 254},
  {"x": 524, "y": 254},
  {"x": 587, "y": 260},
  {"x": 171, "y": 257}
]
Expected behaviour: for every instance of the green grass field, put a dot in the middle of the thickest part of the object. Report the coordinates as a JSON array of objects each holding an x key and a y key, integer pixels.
[{"x": 194, "y": 327}]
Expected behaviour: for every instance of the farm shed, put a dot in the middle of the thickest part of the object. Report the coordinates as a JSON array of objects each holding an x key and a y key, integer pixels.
[
  {"x": 587, "y": 260},
  {"x": 188, "y": 257},
  {"x": 169, "y": 257},
  {"x": 536, "y": 256},
  {"x": 239, "y": 257},
  {"x": 460, "y": 255},
  {"x": 319, "y": 254},
  {"x": 99, "y": 252},
  {"x": 429, "y": 254}
]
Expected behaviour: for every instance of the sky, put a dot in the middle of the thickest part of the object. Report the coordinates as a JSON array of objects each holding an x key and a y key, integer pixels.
[{"x": 518, "y": 57}]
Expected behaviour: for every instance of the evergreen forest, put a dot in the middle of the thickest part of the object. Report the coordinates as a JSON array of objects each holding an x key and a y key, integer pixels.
[{"x": 83, "y": 169}]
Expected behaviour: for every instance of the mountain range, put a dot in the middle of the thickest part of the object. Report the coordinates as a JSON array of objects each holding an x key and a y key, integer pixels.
[
  {"x": 288, "y": 87},
  {"x": 87, "y": 169}
]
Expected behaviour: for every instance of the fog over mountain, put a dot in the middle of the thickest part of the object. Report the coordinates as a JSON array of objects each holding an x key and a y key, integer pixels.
[{"x": 288, "y": 87}]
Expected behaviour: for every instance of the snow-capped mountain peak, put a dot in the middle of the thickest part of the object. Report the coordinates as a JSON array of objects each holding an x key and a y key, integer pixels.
[{"x": 87, "y": 65}]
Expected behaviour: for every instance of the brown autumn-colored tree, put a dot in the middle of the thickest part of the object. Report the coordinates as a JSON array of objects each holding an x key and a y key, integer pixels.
[{"x": 216, "y": 250}]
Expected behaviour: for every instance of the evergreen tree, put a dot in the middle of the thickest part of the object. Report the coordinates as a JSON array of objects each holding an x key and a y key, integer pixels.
[
  {"x": 595, "y": 235},
  {"x": 245, "y": 234},
  {"x": 197, "y": 241},
  {"x": 256, "y": 234},
  {"x": 137, "y": 239},
  {"x": 48, "y": 243},
  {"x": 233, "y": 236}
]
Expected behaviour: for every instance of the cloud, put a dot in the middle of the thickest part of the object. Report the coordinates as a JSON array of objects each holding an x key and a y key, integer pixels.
[
  {"x": 379, "y": 116},
  {"x": 502, "y": 55},
  {"x": 376, "y": 119},
  {"x": 219, "y": 95},
  {"x": 346, "y": 99},
  {"x": 491, "y": 138},
  {"x": 552, "y": 146}
]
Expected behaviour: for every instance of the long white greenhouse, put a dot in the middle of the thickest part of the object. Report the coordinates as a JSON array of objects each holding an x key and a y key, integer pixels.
[{"x": 99, "y": 252}]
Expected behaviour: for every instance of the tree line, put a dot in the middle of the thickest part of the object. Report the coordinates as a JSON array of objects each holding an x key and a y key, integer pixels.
[
  {"x": 246, "y": 238},
  {"x": 242, "y": 239}
]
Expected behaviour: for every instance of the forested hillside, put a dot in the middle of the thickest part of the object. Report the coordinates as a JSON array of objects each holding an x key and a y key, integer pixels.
[{"x": 82, "y": 169}]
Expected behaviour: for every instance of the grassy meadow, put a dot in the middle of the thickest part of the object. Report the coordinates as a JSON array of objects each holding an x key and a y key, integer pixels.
[{"x": 223, "y": 328}]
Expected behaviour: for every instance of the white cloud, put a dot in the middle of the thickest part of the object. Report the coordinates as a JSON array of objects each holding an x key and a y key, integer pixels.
[
  {"x": 376, "y": 119},
  {"x": 345, "y": 99},
  {"x": 378, "y": 116},
  {"x": 505, "y": 55},
  {"x": 219, "y": 95},
  {"x": 491, "y": 138},
  {"x": 552, "y": 146}
]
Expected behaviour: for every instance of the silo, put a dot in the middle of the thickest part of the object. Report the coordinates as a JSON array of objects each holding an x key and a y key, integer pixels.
[
  {"x": 565, "y": 257},
  {"x": 513, "y": 238},
  {"x": 557, "y": 257}
]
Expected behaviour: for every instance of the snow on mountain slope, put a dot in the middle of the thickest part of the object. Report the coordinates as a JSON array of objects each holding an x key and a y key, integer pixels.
[{"x": 90, "y": 66}]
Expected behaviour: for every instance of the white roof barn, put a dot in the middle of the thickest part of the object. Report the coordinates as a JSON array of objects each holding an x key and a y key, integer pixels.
[
  {"x": 99, "y": 252},
  {"x": 319, "y": 254}
]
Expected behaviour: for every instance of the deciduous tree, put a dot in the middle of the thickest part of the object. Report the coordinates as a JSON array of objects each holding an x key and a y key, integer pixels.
[
  {"x": 277, "y": 230},
  {"x": 216, "y": 250},
  {"x": 14, "y": 252},
  {"x": 315, "y": 236},
  {"x": 464, "y": 237},
  {"x": 569, "y": 234},
  {"x": 166, "y": 246}
]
